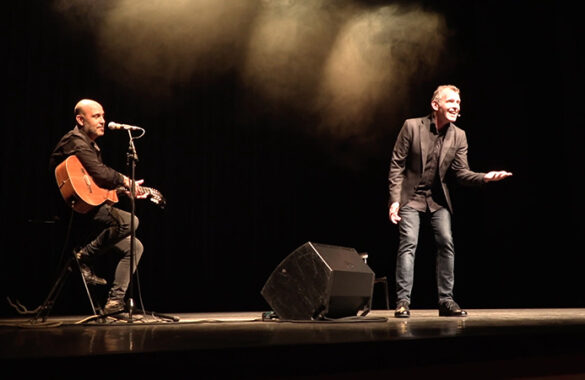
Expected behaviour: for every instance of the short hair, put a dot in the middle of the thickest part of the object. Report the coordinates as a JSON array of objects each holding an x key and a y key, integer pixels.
[
  {"x": 77, "y": 109},
  {"x": 439, "y": 90}
]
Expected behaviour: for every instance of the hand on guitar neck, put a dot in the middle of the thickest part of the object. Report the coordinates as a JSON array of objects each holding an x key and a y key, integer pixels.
[{"x": 141, "y": 193}]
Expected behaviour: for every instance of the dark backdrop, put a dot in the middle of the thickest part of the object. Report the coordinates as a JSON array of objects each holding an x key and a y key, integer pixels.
[{"x": 247, "y": 183}]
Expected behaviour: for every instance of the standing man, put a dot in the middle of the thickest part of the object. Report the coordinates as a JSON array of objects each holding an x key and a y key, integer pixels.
[
  {"x": 427, "y": 151},
  {"x": 111, "y": 226}
]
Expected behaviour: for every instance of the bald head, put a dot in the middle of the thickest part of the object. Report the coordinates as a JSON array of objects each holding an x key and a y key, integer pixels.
[
  {"x": 89, "y": 116},
  {"x": 83, "y": 105}
]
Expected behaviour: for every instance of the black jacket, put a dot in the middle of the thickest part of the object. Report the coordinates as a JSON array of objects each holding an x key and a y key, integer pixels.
[{"x": 410, "y": 155}]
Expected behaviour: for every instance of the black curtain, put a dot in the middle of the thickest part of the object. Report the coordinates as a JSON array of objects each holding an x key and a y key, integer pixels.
[{"x": 247, "y": 181}]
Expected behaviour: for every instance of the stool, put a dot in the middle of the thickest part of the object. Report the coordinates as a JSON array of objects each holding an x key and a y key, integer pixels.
[
  {"x": 70, "y": 262},
  {"x": 379, "y": 280}
]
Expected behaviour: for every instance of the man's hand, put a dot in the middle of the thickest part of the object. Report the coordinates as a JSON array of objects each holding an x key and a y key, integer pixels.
[
  {"x": 139, "y": 193},
  {"x": 393, "y": 213},
  {"x": 496, "y": 176}
]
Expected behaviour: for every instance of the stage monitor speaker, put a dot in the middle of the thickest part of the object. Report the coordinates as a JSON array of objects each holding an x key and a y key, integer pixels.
[{"x": 319, "y": 281}]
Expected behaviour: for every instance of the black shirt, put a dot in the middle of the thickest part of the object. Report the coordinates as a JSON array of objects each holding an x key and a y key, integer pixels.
[
  {"x": 428, "y": 193},
  {"x": 78, "y": 143}
]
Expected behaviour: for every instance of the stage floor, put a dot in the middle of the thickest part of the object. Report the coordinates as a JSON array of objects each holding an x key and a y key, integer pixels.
[{"x": 499, "y": 343}]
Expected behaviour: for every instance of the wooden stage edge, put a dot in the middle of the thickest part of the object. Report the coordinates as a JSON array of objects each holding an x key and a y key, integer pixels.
[{"x": 489, "y": 343}]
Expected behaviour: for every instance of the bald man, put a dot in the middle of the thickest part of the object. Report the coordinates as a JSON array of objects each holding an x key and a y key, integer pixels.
[{"x": 109, "y": 227}]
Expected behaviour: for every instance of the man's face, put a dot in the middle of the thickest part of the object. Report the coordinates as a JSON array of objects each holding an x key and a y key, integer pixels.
[
  {"x": 92, "y": 120},
  {"x": 447, "y": 107}
]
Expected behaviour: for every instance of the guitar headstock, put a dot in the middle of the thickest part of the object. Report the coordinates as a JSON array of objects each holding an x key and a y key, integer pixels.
[
  {"x": 155, "y": 197},
  {"x": 152, "y": 195}
]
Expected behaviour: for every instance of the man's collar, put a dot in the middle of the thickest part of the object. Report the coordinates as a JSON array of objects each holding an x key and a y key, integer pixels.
[{"x": 85, "y": 136}]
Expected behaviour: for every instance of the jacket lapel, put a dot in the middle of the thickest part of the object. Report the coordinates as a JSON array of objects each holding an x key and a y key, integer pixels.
[
  {"x": 424, "y": 130},
  {"x": 447, "y": 143}
]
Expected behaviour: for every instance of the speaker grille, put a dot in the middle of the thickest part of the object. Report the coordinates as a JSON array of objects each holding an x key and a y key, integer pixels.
[{"x": 317, "y": 281}]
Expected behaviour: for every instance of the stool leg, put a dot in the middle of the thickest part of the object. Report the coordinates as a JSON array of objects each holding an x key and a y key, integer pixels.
[
  {"x": 386, "y": 293},
  {"x": 89, "y": 295}
]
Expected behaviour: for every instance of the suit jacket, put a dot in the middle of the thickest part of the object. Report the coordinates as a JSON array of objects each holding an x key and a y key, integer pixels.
[{"x": 410, "y": 155}]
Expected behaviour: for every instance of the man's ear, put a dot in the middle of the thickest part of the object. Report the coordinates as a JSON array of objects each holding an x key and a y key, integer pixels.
[
  {"x": 435, "y": 105},
  {"x": 79, "y": 119}
]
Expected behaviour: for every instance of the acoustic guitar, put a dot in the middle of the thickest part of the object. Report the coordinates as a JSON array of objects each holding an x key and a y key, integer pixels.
[{"x": 82, "y": 194}]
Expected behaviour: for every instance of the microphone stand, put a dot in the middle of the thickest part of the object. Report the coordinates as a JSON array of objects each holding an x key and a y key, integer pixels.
[{"x": 132, "y": 158}]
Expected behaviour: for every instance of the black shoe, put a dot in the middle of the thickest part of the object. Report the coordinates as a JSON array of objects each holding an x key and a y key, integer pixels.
[
  {"x": 402, "y": 309},
  {"x": 451, "y": 309},
  {"x": 114, "y": 306},
  {"x": 90, "y": 277}
]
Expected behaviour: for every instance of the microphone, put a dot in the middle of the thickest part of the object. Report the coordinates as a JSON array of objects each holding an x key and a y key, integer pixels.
[{"x": 114, "y": 126}]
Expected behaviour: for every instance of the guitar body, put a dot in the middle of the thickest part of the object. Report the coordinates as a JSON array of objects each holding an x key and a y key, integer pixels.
[
  {"x": 78, "y": 189},
  {"x": 82, "y": 194}
]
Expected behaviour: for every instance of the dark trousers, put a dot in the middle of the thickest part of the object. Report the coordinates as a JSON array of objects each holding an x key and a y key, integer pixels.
[
  {"x": 113, "y": 229},
  {"x": 409, "y": 227}
]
